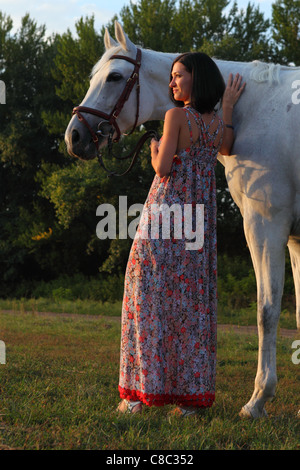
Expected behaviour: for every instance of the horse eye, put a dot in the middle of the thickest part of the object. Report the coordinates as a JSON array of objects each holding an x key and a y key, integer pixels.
[{"x": 114, "y": 77}]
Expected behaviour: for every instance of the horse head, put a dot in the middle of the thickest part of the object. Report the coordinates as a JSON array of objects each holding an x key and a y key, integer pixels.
[{"x": 114, "y": 101}]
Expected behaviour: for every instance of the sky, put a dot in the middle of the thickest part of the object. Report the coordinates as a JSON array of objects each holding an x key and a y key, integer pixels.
[{"x": 60, "y": 15}]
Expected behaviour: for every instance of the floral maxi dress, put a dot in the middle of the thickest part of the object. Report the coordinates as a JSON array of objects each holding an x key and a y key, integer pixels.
[{"x": 169, "y": 324}]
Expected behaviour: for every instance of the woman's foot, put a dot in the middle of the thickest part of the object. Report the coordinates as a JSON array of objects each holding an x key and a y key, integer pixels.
[{"x": 131, "y": 407}]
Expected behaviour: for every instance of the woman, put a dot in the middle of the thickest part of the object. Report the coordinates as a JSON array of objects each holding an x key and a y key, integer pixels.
[{"x": 168, "y": 344}]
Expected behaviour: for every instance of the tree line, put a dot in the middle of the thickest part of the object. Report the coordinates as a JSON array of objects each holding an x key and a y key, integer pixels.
[{"x": 48, "y": 200}]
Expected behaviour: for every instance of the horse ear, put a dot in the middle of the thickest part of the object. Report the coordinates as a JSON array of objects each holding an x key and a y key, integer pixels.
[
  {"x": 109, "y": 42},
  {"x": 123, "y": 39}
]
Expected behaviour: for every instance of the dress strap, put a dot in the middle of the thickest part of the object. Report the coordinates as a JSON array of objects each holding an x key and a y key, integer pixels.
[
  {"x": 208, "y": 138},
  {"x": 189, "y": 124},
  {"x": 200, "y": 124}
]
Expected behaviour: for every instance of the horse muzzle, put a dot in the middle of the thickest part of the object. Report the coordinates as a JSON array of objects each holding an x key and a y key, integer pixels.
[{"x": 84, "y": 144}]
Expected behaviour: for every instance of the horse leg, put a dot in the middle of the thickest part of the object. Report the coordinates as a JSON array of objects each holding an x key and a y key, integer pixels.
[
  {"x": 267, "y": 242},
  {"x": 294, "y": 249}
]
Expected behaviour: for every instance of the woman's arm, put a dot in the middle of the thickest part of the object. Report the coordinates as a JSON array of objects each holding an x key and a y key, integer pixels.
[
  {"x": 162, "y": 157},
  {"x": 231, "y": 95}
]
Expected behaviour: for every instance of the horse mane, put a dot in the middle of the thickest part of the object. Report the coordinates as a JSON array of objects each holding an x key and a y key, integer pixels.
[{"x": 263, "y": 72}]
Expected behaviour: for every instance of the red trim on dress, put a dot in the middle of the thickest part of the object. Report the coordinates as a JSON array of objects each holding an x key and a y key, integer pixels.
[{"x": 198, "y": 400}]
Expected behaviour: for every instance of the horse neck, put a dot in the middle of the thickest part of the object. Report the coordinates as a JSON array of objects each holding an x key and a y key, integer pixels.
[
  {"x": 227, "y": 66},
  {"x": 157, "y": 72}
]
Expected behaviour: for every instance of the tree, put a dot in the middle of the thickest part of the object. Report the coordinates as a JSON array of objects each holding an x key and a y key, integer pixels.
[
  {"x": 6, "y": 25},
  {"x": 33, "y": 243},
  {"x": 24, "y": 141},
  {"x": 150, "y": 23},
  {"x": 209, "y": 21},
  {"x": 286, "y": 31},
  {"x": 163, "y": 26},
  {"x": 245, "y": 36}
]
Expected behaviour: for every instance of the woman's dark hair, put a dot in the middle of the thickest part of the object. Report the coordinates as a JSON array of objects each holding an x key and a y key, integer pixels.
[{"x": 208, "y": 84}]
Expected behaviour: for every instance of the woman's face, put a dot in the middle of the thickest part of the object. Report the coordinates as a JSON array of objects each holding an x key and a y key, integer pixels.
[{"x": 181, "y": 83}]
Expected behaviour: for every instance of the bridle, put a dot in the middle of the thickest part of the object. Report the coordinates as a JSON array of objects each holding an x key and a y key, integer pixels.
[{"x": 112, "y": 117}]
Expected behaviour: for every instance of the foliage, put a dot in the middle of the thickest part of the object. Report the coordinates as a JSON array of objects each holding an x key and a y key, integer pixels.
[
  {"x": 245, "y": 36},
  {"x": 286, "y": 31},
  {"x": 198, "y": 24},
  {"x": 24, "y": 142}
]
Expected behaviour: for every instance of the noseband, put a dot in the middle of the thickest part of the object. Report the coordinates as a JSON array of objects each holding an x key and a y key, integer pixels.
[{"x": 112, "y": 117}]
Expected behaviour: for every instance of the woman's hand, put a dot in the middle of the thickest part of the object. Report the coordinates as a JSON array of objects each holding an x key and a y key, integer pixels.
[
  {"x": 233, "y": 91},
  {"x": 154, "y": 146}
]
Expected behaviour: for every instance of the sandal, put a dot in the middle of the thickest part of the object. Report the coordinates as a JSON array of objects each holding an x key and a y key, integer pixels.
[
  {"x": 184, "y": 412},
  {"x": 130, "y": 407}
]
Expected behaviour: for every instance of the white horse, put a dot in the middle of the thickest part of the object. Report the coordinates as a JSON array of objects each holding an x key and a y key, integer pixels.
[{"x": 263, "y": 174}]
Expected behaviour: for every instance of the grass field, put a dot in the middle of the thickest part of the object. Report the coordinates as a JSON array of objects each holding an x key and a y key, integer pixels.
[
  {"x": 59, "y": 391},
  {"x": 226, "y": 314}
]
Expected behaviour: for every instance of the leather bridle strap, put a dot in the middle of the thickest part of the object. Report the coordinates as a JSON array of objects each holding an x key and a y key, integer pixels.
[
  {"x": 133, "y": 155},
  {"x": 112, "y": 117}
]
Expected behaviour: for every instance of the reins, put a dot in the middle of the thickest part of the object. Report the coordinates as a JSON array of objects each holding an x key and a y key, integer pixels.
[
  {"x": 112, "y": 117},
  {"x": 133, "y": 154}
]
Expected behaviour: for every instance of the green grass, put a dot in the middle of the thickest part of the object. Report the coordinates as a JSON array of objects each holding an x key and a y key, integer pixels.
[
  {"x": 82, "y": 307},
  {"x": 59, "y": 391},
  {"x": 226, "y": 314}
]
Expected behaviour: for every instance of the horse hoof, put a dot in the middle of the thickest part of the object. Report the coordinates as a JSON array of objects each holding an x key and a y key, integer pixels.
[
  {"x": 252, "y": 413},
  {"x": 245, "y": 413}
]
